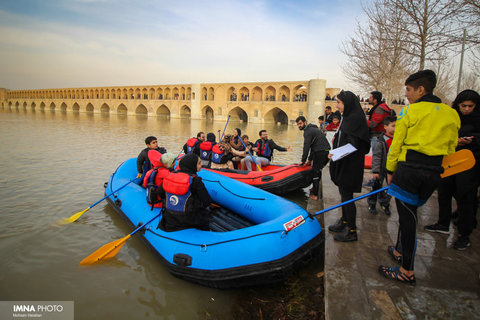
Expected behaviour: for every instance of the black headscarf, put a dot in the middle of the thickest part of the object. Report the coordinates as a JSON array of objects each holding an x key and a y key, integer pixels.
[
  {"x": 211, "y": 137},
  {"x": 354, "y": 122},
  {"x": 469, "y": 123},
  {"x": 188, "y": 164}
]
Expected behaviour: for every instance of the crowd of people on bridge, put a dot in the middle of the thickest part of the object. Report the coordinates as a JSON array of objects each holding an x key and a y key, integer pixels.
[{"x": 407, "y": 154}]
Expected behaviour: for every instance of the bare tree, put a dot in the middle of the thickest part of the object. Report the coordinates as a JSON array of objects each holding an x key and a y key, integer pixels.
[
  {"x": 376, "y": 59},
  {"x": 429, "y": 27}
]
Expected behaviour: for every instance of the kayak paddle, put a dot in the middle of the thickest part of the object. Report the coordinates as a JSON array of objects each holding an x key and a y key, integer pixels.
[
  {"x": 226, "y": 124},
  {"x": 79, "y": 214},
  {"x": 111, "y": 249}
]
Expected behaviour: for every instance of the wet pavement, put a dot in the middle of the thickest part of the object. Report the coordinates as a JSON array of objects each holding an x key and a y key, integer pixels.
[{"x": 448, "y": 284}]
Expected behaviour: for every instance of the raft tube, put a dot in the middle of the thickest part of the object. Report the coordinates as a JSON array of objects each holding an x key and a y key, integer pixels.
[
  {"x": 276, "y": 179},
  {"x": 257, "y": 237}
]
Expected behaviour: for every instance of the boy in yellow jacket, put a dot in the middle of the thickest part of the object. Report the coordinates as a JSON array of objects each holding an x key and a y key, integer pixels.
[{"x": 425, "y": 132}]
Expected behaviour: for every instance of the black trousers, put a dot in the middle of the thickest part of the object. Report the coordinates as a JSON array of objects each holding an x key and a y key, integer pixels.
[
  {"x": 383, "y": 197},
  {"x": 349, "y": 211},
  {"x": 319, "y": 161},
  {"x": 467, "y": 204}
]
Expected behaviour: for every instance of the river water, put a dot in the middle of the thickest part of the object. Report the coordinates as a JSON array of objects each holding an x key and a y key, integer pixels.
[{"x": 54, "y": 164}]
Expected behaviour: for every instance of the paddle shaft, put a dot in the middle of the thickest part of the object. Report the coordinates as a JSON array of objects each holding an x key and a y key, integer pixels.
[
  {"x": 144, "y": 225},
  {"x": 108, "y": 195},
  {"x": 226, "y": 124},
  {"x": 351, "y": 200},
  {"x": 246, "y": 149}
]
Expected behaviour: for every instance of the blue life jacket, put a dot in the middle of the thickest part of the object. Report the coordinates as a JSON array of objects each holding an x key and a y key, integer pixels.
[
  {"x": 177, "y": 189},
  {"x": 191, "y": 143},
  {"x": 217, "y": 154},
  {"x": 205, "y": 150}
]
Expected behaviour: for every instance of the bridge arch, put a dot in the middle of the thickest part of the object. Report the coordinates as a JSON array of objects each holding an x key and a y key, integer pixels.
[
  {"x": 33, "y": 105},
  {"x": 283, "y": 94},
  {"x": 244, "y": 94},
  {"x": 17, "y": 104},
  {"x": 257, "y": 94},
  {"x": 122, "y": 109},
  {"x": 208, "y": 113},
  {"x": 25, "y": 105},
  {"x": 270, "y": 93},
  {"x": 238, "y": 114},
  {"x": 231, "y": 94},
  {"x": 105, "y": 108},
  {"x": 89, "y": 107},
  {"x": 163, "y": 112},
  {"x": 275, "y": 115},
  {"x": 141, "y": 109},
  {"x": 63, "y": 107},
  {"x": 76, "y": 107},
  {"x": 185, "y": 112},
  {"x": 42, "y": 106}
]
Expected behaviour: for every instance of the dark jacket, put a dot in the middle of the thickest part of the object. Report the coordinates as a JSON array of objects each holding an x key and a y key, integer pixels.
[
  {"x": 348, "y": 171},
  {"x": 313, "y": 139},
  {"x": 375, "y": 118},
  {"x": 379, "y": 157},
  {"x": 273, "y": 146},
  {"x": 142, "y": 159}
]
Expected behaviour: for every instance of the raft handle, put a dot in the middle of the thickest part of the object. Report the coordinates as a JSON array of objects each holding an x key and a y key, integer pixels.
[{"x": 183, "y": 260}]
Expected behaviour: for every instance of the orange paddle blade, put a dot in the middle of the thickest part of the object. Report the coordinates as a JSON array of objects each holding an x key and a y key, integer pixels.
[
  {"x": 108, "y": 251},
  {"x": 457, "y": 162}
]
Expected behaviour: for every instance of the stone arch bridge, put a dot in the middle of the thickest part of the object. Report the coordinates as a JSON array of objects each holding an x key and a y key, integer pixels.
[{"x": 255, "y": 102}]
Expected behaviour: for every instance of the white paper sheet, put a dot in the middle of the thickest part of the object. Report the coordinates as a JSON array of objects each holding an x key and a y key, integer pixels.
[{"x": 342, "y": 151}]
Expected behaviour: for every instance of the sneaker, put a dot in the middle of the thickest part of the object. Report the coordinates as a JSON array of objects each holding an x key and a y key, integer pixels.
[
  {"x": 386, "y": 210},
  {"x": 437, "y": 228},
  {"x": 462, "y": 243},
  {"x": 348, "y": 235},
  {"x": 369, "y": 184},
  {"x": 339, "y": 226},
  {"x": 372, "y": 209}
]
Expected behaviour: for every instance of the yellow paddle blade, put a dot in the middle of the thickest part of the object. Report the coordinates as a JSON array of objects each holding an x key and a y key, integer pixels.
[
  {"x": 108, "y": 251},
  {"x": 258, "y": 167},
  {"x": 457, "y": 162},
  {"x": 74, "y": 217}
]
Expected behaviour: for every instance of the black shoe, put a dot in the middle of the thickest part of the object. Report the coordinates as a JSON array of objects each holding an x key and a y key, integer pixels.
[
  {"x": 339, "y": 226},
  {"x": 372, "y": 209},
  {"x": 462, "y": 243},
  {"x": 348, "y": 235},
  {"x": 386, "y": 210},
  {"x": 437, "y": 228}
]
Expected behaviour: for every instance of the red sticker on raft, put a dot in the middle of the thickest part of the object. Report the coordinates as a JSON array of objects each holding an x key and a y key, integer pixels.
[{"x": 292, "y": 224}]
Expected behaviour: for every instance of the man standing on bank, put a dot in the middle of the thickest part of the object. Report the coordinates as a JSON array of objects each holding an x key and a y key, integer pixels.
[{"x": 317, "y": 145}]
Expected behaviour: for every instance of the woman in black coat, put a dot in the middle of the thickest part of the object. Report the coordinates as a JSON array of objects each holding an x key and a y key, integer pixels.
[
  {"x": 347, "y": 173},
  {"x": 464, "y": 185}
]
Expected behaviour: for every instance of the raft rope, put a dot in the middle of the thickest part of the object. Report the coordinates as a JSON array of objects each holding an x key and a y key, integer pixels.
[
  {"x": 285, "y": 168},
  {"x": 204, "y": 246},
  {"x": 217, "y": 181}
]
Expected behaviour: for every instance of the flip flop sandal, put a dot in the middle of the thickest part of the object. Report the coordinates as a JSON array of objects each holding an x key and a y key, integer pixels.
[
  {"x": 391, "y": 252},
  {"x": 394, "y": 273}
]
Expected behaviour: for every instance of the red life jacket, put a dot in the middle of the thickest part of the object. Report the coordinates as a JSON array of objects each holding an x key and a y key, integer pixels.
[
  {"x": 191, "y": 143},
  {"x": 217, "y": 154},
  {"x": 379, "y": 118},
  {"x": 177, "y": 187},
  {"x": 153, "y": 180},
  {"x": 205, "y": 150}
]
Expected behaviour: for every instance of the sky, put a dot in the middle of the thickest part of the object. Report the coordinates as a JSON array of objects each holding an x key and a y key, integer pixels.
[{"x": 87, "y": 43}]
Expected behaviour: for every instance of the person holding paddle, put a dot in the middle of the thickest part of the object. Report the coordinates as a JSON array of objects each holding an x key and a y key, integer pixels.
[
  {"x": 425, "y": 132},
  {"x": 143, "y": 163}
]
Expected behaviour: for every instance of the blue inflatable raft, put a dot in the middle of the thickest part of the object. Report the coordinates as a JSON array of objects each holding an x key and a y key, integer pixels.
[{"x": 256, "y": 237}]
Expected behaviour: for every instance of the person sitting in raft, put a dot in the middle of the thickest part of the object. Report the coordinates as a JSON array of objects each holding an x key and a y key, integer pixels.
[
  {"x": 162, "y": 166},
  {"x": 265, "y": 149},
  {"x": 193, "y": 144},
  {"x": 206, "y": 149},
  {"x": 334, "y": 125},
  {"x": 223, "y": 153},
  {"x": 143, "y": 164},
  {"x": 235, "y": 142},
  {"x": 187, "y": 202},
  {"x": 250, "y": 148}
]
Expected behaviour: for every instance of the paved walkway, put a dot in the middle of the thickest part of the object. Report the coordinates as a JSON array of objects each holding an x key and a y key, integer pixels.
[{"x": 448, "y": 284}]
